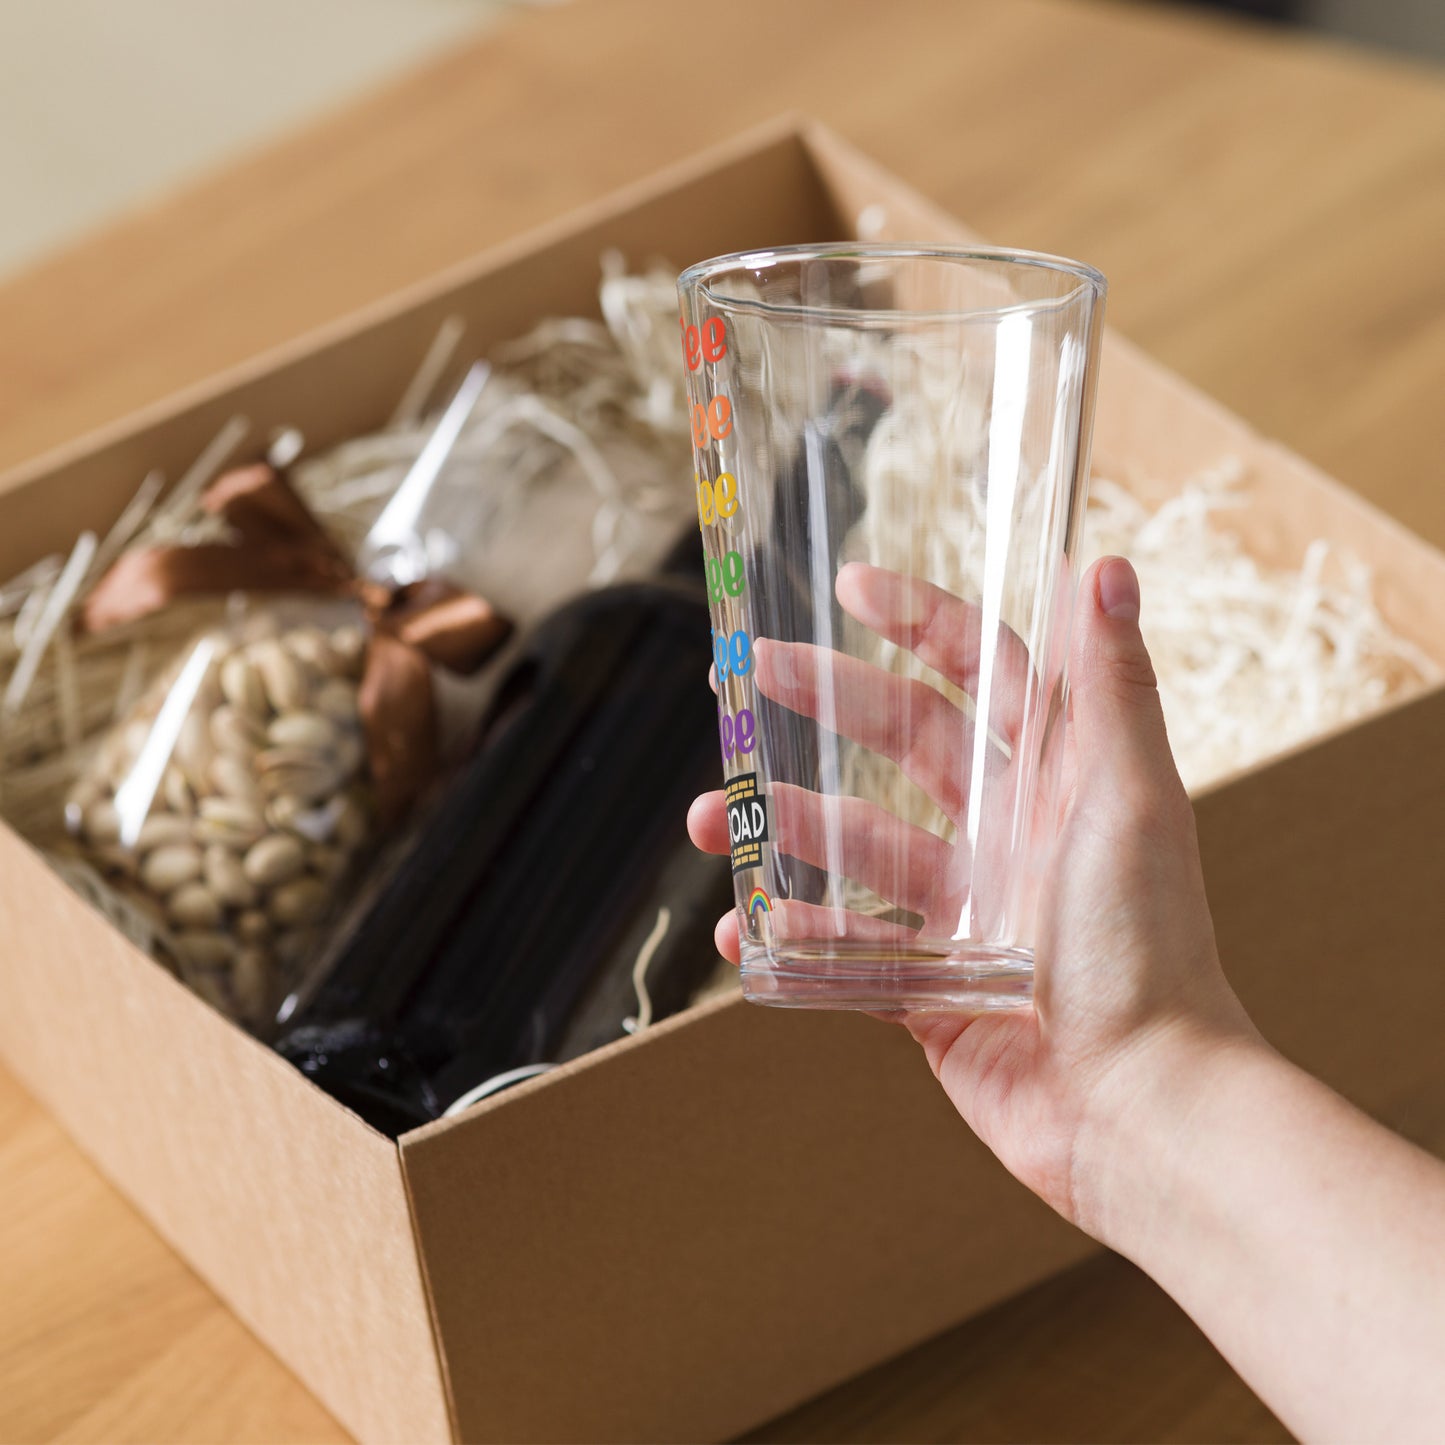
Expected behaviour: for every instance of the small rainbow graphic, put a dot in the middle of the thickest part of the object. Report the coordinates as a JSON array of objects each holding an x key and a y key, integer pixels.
[{"x": 758, "y": 900}]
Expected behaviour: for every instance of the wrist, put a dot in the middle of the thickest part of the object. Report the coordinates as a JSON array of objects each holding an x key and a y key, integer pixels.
[{"x": 1129, "y": 1168}]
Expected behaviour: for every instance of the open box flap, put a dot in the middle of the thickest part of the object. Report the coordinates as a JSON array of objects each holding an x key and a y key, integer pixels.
[
  {"x": 686, "y": 1232},
  {"x": 290, "y": 1207}
]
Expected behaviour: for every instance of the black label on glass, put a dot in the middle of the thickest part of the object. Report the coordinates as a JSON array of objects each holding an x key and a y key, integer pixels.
[{"x": 747, "y": 821}]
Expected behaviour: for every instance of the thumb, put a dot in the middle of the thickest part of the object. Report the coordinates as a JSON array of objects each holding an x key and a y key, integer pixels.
[{"x": 1118, "y": 721}]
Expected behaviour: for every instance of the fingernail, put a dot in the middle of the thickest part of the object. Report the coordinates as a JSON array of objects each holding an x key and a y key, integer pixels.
[{"x": 1119, "y": 590}]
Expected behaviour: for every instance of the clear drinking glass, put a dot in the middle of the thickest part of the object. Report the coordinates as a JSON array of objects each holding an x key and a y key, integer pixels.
[{"x": 892, "y": 450}]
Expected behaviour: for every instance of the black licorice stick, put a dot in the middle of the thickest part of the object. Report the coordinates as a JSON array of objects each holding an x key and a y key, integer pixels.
[
  {"x": 562, "y": 676},
  {"x": 603, "y": 846},
  {"x": 504, "y": 936}
]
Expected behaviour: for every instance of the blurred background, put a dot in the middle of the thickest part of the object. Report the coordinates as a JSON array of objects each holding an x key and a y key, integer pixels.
[{"x": 105, "y": 105}]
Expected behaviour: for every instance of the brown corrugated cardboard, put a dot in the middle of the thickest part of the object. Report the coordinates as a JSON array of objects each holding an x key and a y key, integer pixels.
[
  {"x": 288, "y": 1205},
  {"x": 719, "y": 1219},
  {"x": 695, "y": 1228}
]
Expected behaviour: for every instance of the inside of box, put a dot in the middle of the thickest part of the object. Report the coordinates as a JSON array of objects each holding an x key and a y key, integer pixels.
[
  {"x": 1155, "y": 434},
  {"x": 350, "y": 384},
  {"x": 1155, "y": 430}
]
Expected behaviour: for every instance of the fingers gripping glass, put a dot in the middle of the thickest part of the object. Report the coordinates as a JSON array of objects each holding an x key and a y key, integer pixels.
[{"x": 891, "y": 451}]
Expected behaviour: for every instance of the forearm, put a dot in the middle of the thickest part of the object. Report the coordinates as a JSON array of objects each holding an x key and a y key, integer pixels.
[{"x": 1307, "y": 1241}]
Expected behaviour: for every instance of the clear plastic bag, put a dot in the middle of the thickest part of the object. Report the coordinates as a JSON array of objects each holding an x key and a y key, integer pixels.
[{"x": 234, "y": 803}]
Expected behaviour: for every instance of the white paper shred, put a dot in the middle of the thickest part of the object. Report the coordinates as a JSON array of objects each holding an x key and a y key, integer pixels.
[{"x": 1251, "y": 660}]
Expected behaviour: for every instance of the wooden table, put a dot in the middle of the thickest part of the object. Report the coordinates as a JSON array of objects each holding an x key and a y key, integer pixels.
[{"x": 1271, "y": 216}]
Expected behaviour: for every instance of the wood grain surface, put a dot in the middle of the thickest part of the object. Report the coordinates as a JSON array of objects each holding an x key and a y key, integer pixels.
[{"x": 1271, "y": 214}]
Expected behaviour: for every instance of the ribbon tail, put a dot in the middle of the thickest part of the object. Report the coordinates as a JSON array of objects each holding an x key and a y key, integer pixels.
[
  {"x": 280, "y": 548},
  {"x": 398, "y": 718}
]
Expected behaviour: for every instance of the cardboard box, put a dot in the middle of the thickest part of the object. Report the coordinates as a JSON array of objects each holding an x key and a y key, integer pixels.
[{"x": 694, "y": 1229}]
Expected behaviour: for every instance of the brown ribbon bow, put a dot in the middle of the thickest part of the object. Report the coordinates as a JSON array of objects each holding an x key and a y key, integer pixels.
[{"x": 281, "y": 547}]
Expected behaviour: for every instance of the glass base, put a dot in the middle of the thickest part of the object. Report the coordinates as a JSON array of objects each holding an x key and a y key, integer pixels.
[{"x": 835, "y": 975}]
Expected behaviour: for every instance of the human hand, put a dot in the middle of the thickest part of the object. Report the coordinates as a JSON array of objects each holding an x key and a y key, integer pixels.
[{"x": 1127, "y": 979}]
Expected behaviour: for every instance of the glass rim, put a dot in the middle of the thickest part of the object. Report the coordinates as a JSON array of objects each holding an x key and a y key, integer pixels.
[{"x": 697, "y": 278}]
